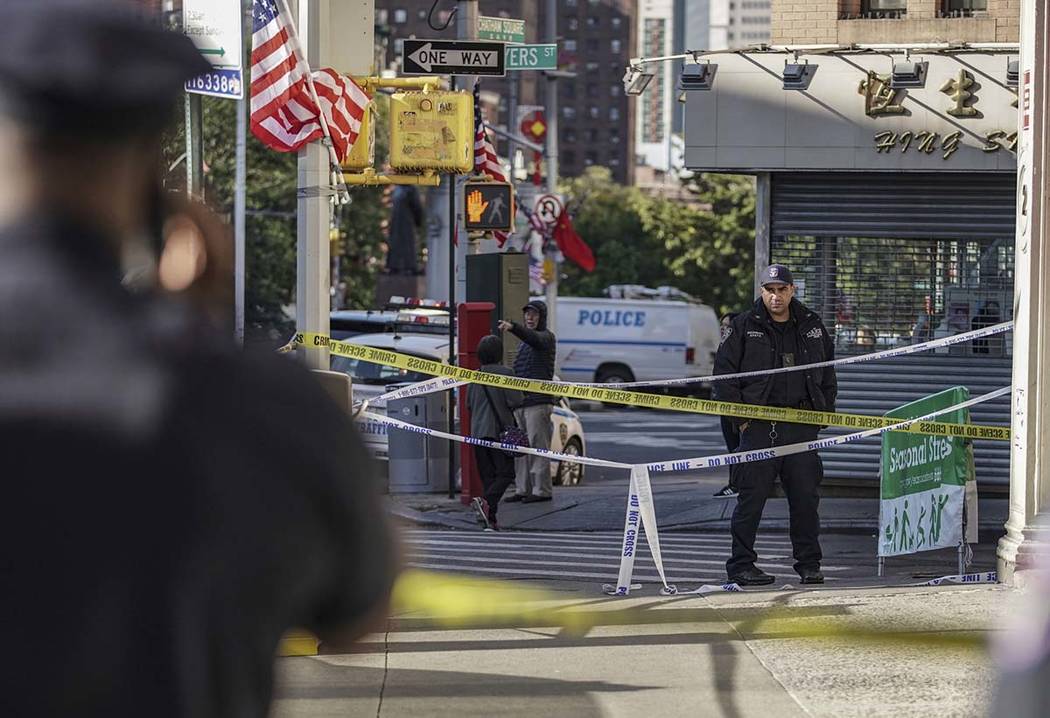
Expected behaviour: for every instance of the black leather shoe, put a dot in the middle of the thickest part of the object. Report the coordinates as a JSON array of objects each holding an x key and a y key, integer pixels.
[
  {"x": 533, "y": 499},
  {"x": 751, "y": 577},
  {"x": 514, "y": 497},
  {"x": 811, "y": 575}
]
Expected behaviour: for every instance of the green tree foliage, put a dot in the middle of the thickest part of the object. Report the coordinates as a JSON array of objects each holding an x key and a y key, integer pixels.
[
  {"x": 653, "y": 241},
  {"x": 270, "y": 223}
]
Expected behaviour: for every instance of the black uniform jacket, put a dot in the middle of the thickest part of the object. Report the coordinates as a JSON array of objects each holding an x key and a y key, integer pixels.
[
  {"x": 751, "y": 345},
  {"x": 171, "y": 505}
]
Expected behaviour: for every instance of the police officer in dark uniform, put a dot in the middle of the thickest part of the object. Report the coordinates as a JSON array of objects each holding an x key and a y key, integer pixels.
[
  {"x": 171, "y": 505},
  {"x": 779, "y": 331}
]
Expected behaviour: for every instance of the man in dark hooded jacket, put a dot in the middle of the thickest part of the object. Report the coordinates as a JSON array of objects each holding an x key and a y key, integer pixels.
[
  {"x": 779, "y": 331},
  {"x": 171, "y": 504},
  {"x": 535, "y": 360}
]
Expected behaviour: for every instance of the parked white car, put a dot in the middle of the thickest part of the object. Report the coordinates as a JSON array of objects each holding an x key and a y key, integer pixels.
[
  {"x": 371, "y": 380},
  {"x": 622, "y": 340}
]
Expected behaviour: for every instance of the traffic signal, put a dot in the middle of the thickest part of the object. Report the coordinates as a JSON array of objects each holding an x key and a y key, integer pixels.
[
  {"x": 489, "y": 206},
  {"x": 432, "y": 131},
  {"x": 363, "y": 153}
]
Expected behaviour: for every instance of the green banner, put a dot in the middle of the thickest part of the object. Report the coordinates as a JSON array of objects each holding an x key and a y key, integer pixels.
[{"x": 924, "y": 480}]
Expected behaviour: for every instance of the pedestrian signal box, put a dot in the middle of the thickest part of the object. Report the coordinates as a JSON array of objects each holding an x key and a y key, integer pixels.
[
  {"x": 363, "y": 153},
  {"x": 489, "y": 206},
  {"x": 432, "y": 131}
]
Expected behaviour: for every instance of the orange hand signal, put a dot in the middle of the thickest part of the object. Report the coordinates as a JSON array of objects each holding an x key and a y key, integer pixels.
[{"x": 476, "y": 206}]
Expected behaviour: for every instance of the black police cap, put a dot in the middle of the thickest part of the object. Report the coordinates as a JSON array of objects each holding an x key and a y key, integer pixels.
[{"x": 91, "y": 69}]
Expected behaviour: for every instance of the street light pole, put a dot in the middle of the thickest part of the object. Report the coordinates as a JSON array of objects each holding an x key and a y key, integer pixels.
[
  {"x": 466, "y": 29},
  {"x": 551, "y": 293},
  {"x": 314, "y": 208}
]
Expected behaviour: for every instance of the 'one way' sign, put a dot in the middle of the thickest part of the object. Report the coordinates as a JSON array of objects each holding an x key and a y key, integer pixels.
[{"x": 448, "y": 57}]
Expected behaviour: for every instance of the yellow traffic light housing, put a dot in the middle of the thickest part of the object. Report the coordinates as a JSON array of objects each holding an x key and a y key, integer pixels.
[
  {"x": 363, "y": 153},
  {"x": 432, "y": 131}
]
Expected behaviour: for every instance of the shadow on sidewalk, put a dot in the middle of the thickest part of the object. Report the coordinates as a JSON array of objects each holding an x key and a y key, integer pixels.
[{"x": 368, "y": 691}]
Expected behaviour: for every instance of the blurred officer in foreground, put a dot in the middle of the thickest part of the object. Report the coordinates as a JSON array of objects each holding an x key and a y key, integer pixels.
[{"x": 171, "y": 506}]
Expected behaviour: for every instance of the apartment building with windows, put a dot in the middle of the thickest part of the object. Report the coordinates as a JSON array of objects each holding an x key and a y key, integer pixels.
[{"x": 894, "y": 21}]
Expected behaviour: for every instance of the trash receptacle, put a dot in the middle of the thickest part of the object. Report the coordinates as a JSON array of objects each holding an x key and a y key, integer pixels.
[{"x": 418, "y": 463}]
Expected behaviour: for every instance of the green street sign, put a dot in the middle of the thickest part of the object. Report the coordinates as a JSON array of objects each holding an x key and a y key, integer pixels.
[
  {"x": 532, "y": 57},
  {"x": 501, "y": 29}
]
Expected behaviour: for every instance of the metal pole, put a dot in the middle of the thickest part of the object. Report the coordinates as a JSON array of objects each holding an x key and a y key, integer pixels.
[
  {"x": 240, "y": 192},
  {"x": 194, "y": 147},
  {"x": 452, "y": 317},
  {"x": 512, "y": 120},
  {"x": 313, "y": 211},
  {"x": 466, "y": 29},
  {"x": 551, "y": 293}
]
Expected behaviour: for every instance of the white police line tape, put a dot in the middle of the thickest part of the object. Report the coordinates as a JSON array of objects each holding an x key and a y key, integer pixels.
[
  {"x": 743, "y": 457},
  {"x": 427, "y": 386},
  {"x": 475, "y": 441},
  {"x": 640, "y": 493},
  {"x": 963, "y": 578},
  {"x": 875, "y": 356},
  {"x": 701, "y": 462}
]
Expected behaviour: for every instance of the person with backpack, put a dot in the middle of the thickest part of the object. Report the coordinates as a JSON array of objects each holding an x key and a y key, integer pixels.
[
  {"x": 778, "y": 331},
  {"x": 491, "y": 414}
]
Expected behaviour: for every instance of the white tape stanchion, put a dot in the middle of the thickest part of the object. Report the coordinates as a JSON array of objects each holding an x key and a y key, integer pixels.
[{"x": 631, "y": 526}]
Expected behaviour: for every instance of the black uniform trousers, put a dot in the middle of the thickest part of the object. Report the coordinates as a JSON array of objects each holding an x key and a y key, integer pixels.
[
  {"x": 496, "y": 470},
  {"x": 800, "y": 475},
  {"x": 732, "y": 439}
]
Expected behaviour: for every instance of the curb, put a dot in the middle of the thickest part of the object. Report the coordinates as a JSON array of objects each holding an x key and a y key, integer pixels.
[
  {"x": 427, "y": 518},
  {"x": 830, "y": 526}
]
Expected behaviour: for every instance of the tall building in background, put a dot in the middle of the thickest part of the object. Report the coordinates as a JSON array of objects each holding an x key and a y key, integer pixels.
[
  {"x": 596, "y": 121},
  {"x": 727, "y": 24},
  {"x": 656, "y": 34}
]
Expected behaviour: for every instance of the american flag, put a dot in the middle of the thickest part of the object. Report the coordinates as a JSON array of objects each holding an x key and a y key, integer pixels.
[
  {"x": 486, "y": 161},
  {"x": 284, "y": 115}
]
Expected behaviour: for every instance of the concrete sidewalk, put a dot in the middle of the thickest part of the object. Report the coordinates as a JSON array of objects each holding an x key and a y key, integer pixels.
[
  {"x": 681, "y": 504},
  {"x": 880, "y": 652}
]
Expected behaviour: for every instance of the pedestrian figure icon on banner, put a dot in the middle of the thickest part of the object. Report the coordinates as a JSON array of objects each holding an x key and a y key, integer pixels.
[{"x": 496, "y": 209}]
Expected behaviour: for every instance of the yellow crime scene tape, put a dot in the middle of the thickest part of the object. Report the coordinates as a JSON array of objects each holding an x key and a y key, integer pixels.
[
  {"x": 652, "y": 401},
  {"x": 455, "y": 602}
]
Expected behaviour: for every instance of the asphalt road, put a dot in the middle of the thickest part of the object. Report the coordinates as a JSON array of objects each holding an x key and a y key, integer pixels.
[
  {"x": 641, "y": 435},
  {"x": 582, "y": 561}
]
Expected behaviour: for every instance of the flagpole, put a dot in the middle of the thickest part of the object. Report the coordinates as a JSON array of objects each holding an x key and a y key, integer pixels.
[{"x": 343, "y": 195}]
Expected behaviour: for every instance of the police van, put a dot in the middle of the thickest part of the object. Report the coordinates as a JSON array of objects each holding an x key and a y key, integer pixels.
[{"x": 636, "y": 334}]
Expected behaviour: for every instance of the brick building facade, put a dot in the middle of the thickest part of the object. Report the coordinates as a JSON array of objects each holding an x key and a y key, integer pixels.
[{"x": 843, "y": 22}]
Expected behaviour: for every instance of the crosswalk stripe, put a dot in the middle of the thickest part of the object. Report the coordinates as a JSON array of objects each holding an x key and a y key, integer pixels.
[
  {"x": 583, "y": 556},
  {"x": 683, "y": 553},
  {"x": 669, "y": 540},
  {"x": 610, "y": 576},
  {"x": 609, "y": 556}
]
